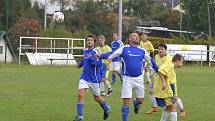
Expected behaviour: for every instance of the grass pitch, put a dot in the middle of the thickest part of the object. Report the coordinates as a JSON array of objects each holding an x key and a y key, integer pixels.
[{"x": 29, "y": 93}]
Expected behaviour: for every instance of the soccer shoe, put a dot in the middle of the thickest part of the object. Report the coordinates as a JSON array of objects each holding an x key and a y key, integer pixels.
[
  {"x": 183, "y": 113},
  {"x": 106, "y": 113},
  {"x": 109, "y": 92},
  {"x": 78, "y": 118},
  {"x": 152, "y": 110}
]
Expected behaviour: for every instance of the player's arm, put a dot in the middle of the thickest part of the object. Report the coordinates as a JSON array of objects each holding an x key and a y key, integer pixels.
[
  {"x": 80, "y": 64},
  {"x": 162, "y": 78},
  {"x": 117, "y": 53},
  {"x": 151, "y": 48}
]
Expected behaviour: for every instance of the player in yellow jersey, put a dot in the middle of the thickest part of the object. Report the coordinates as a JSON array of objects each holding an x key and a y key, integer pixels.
[
  {"x": 103, "y": 48},
  {"x": 147, "y": 45},
  {"x": 161, "y": 58},
  {"x": 164, "y": 89}
]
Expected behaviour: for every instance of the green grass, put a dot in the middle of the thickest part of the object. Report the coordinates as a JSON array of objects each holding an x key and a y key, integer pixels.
[{"x": 29, "y": 93}]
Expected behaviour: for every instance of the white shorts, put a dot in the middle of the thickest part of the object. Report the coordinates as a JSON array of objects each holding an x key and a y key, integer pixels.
[
  {"x": 133, "y": 83},
  {"x": 94, "y": 87},
  {"x": 115, "y": 66}
]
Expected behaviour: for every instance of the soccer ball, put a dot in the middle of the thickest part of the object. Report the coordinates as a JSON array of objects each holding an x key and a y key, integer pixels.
[{"x": 58, "y": 17}]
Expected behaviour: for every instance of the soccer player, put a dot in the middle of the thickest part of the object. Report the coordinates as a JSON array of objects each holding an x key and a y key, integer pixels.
[
  {"x": 147, "y": 45},
  {"x": 161, "y": 58},
  {"x": 116, "y": 62},
  {"x": 90, "y": 78},
  {"x": 133, "y": 60},
  {"x": 164, "y": 89},
  {"x": 103, "y": 48}
]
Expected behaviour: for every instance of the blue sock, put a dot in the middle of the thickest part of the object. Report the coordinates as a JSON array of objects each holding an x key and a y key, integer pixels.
[
  {"x": 104, "y": 106},
  {"x": 125, "y": 110},
  {"x": 80, "y": 109},
  {"x": 113, "y": 78},
  {"x": 135, "y": 102}
]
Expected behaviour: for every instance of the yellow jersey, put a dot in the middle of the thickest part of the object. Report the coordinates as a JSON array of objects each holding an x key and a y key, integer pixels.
[
  {"x": 147, "y": 46},
  {"x": 167, "y": 69},
  {"x": 160, "y": 61},
  {"x": 102, "y": 50}
]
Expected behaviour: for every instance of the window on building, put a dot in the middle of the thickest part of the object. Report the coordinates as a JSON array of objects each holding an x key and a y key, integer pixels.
[{"x": 1, "y": 49}]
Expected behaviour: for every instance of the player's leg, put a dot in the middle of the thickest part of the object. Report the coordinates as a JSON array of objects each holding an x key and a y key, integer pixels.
[
  {"x": 153, "y": 101},
  {"x": 147, "y": 74},
  {"x": 126, "y": 97},
  {"x": 138, "y": 85},
  {"x": 107, "y": 83},
  {"x": 172, "y": 109},
  {"x": 83, "y": 86},
  {"x": 102, "y": 86},
  {"x": 113, "y": 75},
  {"x": 94, "y": 87},
  {"x": 179, "y": 104},
  {"x": 162, "y": 104}
]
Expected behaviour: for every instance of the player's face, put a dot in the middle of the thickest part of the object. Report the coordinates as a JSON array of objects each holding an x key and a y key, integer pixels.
[
  {"x": 145, "y": 38},
  {"x": 101, "y": 42},
  {"x": 90, "y": 42},
  {"x": 115, "y": 36},
  {"x": 133, "y": 39},
  {"x": 179, "y": 63},
  {"x": 162, "y": 51}
]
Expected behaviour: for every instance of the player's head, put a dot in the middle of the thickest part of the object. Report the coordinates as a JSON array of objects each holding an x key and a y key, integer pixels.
[
  {"x": 144, "y": 37},
  {"x": 134, "y": 38},
  {"x": 101, "y": 39},
  {"x": 162, "y": 49},
  {"x": 115, "y": 36},
  {"x": 178, "y": 60},
  {"x": 91, "y": 40}
]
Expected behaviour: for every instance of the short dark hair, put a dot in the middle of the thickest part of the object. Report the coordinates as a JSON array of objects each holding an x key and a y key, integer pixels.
[
  {"x": 91, "y": 35},
  {"x": 144, "y": 33},
  {"x": 177, "y": 57},
  {"x": 163, "y": 46}
]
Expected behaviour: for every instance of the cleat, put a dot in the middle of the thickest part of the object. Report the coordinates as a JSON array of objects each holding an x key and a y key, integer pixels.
[
  {"x": 183, "y": 113},
  {"x": 152, "y": 110},
  {"x": 113, "y": 82},
  {"x": 78, "y": 118},
  {"x": 109, "y": 92},
  {"x": 106, "y": 113}
]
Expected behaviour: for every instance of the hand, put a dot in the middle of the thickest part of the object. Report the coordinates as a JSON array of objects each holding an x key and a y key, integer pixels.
[
  {"x": 108, "y": 67},
  {"x": 97, "y": 56},
  {"x": 77, "y": 66},
  {"x": 89, "y": 55}
]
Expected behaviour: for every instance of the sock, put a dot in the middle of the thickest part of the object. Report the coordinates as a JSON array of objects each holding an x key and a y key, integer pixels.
[
  {"x": 179, "y": 104},
  {"x": 164, "y": 115},
  {"x": 107, "y": 83},
  {"x": 79, "y": 108},
  {"x": 102, "y": 87},
  {"x": 125, "y": 110},
  {"x": 173, "y": 116},
  {"x": 113, "y": 78},
  {"x": 135, "y": 102},
  {"x": 148, "y": 77},
  {"x": 104, "y": 106},
  {"x": 153, "y": 100}
]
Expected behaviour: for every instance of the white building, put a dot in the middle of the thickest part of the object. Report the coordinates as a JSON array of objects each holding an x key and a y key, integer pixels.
[{"x": 5, "y": 48}]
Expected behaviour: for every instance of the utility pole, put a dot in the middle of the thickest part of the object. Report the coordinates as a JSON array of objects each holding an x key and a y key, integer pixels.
[
  {"x": 45, "y": 15},
  {"x": 209, "y": 20},
  {"x": 120, "y": 20}
]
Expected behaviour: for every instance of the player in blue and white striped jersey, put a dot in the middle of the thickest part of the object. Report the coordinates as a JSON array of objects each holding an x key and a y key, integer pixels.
[
  {"x": 133, "y": 63},
  {"x": 90, "y": 78},
  {"x": 116, "y": 62}
]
